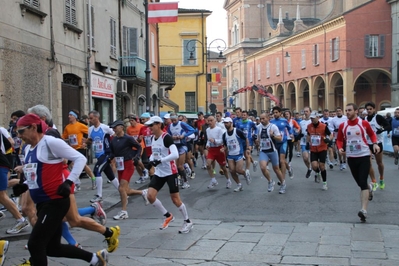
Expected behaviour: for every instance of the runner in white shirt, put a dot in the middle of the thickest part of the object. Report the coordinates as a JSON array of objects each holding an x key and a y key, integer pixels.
[
  {"x": 305, "y": 148},
  {"x": 336, "y": 121},
  {"x": 326, "y": 119},
  {"x": 164, "y": 154}
]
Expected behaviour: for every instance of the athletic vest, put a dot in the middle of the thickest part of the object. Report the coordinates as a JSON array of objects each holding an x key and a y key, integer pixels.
[
  {"x": 160, "y": 151},
  {"x": 395, "y": 127},
  {"x": 355, "y": 140},
  {"x": 234, "y": 144},
  {"x": 375, "y": 126},
  {"x": 317, "y": 135}
]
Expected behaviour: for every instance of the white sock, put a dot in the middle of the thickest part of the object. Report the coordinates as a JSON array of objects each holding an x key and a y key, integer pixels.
[
  {"x": 99, "y": 184},
  {"x": 214, "y": 180},
  {"x": 94, "y": 259},
  {"x": 183, "y": 211},
  {"x": 115, "y": 182},
  {"x": 158, "y": 204}
]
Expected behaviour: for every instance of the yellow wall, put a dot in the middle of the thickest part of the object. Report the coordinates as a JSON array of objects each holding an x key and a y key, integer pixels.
[{"x": 171, "y": 37}]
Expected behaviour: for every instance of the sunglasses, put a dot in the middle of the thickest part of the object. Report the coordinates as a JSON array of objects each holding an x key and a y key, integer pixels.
[
  {"x": 22, "y": 130},
  {"x": 156, "y": 123}
]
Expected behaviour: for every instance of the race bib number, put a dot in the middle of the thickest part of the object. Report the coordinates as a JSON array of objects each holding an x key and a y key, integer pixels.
[
  {"x": 315, "y": 140},
  {"x": 73, "y": 140},
  {"x": 147, "y": 140},
  {"x": 245, "y": 131},
  {"x": 30, "y": 172},
  {"x": 22, "y": 159},
  {"x": 176, "y": 140},
  {"x": 120, "y": 166},
  {"x": 396, "y": 131},
  {"x": 303, "y": 141},
  {"x": 354, "y": 147},
  {"x": 265, "y": 144},
  {"x": 98, "y": 146},
  {"x": 156, "y": 153}
]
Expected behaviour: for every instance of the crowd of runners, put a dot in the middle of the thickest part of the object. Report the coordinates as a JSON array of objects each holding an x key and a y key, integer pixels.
[{"x": 43, "y": 166}]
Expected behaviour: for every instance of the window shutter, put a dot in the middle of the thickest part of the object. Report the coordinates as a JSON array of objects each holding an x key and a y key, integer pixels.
[
  {"x": 32, "y": 3},
  {"x": 124, "y": 41},
  {"x": 92, "y": 26},
  {"x": 288, "y": 64},
  {"x": 317, "y": 54},
  {"x": 314, "y": 55},
  {"x": 303, "y": 58},
  {"x": 331, "y": 50},
  {"x": 73, "y": 13},
  {"x": 250, "y": 74},
  {"x": 132, "y": 42},
  {"x": 366, "y": 45},
  {"x": 336, "y": 48},
  {"x": 277, "y": 66},
  {"x": 382, "y": 45},
  {"x": 267, "y": 69},
  {"x": 68, "y": 11}
]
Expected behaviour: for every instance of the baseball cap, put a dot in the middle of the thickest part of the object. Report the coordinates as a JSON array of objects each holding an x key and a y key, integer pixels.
[
  {"x": 227, "y": 114},
  {"x": 145, "y": 115},
  {"x": 154, "y": 119},
  {"x": 117, "y": 123},
  {"x": 314, "y": 114},
  {"x": 227, "y": 120},
  {"x": 167, "y": 116},
  {"x": 200, "y": 113}
]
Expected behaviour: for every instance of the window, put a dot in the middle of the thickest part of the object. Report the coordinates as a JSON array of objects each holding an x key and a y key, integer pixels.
[
  {"x": 315, "y": 54},
  {"x": 303, "y": 57},
  {"x": 70, "y": 12},
  {"x": 129, "y": 41},
  {"x": 334, "y": 49},
  {"x": 32, "y": 3},
  {"x": 277, "y": 66},
  {"x": 288, "y": 64},
  {"x": 374, "y": 45},
  {"x": 190, "y": 102},
  {"x": 188, "y": 48},
  {"x": 258, "y": 69},
  {"x": 267, "y": 69},
  {"x": 152, "y": 49},
  {"x": 235, "y": 33},
  {"x": 112, "y": 23},
  {"x": 224, "y": 72},
  {"x": 215, "y": 91},
  {"x": 90, "y": 22},
  {"x": 214, "y": 70},
  {"x": 251, "y": 74}
]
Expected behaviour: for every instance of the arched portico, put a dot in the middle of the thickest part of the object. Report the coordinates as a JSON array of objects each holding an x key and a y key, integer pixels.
[{"x": 320, "y": 94}]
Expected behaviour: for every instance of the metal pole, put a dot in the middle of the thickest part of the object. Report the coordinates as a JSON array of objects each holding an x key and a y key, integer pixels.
[
  {"x": 89, "y": 57},
  {"x": 147, "y": 60},
  {"x": 206, "y": 75}
]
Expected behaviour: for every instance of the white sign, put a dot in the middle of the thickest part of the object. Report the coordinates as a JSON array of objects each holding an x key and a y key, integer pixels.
[{"x": 102, "y": 86}]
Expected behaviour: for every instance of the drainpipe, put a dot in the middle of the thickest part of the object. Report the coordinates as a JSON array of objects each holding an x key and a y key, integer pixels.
[
  {"x": 52, "y": 58},
  {"x": 89, "y": 57}
]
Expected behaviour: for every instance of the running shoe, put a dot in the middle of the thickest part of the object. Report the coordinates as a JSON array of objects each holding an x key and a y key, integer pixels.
[
  {"x": 121, "y": 215},
  {"x": 96, "y": 198},
  {"x": 145, "y": 174},
  {"x": 192, "y": 175},
  {"x": 331, "y": 165},
  {"x": 102, "y": 256},
  {"x": 93, "y": 183},
  {"x": 290, "y": 172},
  {"x": 144, "y": 194},
  {"x": 213, "y": 184},
  {"x": 371, "y": 194},
  {"x": 362, "y": 215},
  {"x": 3, "y": 251},
  {"x": 99, "y": 213},
  {"x": 344, "y": 166},
  {"x": 238, "y": 188},
  {"x": 270, "y": 186},
  {"x": 317, "y": 178},
  {"x": 113, "y": 241},
  {"x": 255, "y": 165},
  {"x": 282, "y": 188},
  {"x": 140, "y": 180},
  {"x": 248, "y": 177},
  {"x": 228, "y": 183},
  {"x": 308, "y": 173},
  {"x": 185, "y": 185},
  {"x": 375, "y": 186},
  {"x": 25, "y": 263},
  {"x": 325, "y": 186},
  {"x": 18, "y": 227},
  {"x": 186, "y": 227},
  {"x": 77, "y": 187},
  {"x": 167, "y": 221},
  {"x": 382, "y": 184},
  {"x": 203, "y": 167},
  {"x": 2, "y": 215},
  {"x": 298, "y": 154}
]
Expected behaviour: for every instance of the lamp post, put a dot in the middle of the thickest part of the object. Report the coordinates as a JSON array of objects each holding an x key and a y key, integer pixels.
[{"x": 220, "y": 47}]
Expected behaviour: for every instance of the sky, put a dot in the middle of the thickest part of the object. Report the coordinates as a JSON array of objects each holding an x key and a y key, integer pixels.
[{"x": 216, "y": 23}]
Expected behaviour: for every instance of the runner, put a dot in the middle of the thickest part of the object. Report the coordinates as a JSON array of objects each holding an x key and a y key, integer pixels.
[
  {"x": 268, "y": 133},
  {"x": 326, "y": 119},
  {"x": 395, "y": 135},
  {"x": 318, "y": 137},
  {"x": 164, "y": 154},
  {"x": 351, "y": 140},
  {"x": 122, "y": 151},
  {"x": 305, "y": 148},
  {"x": 290, "y": 141},
  {"x": 338, "y": 120}
]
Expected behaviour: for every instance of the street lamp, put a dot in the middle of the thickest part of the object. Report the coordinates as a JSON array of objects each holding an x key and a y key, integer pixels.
[{"x": 220, "y": 47}]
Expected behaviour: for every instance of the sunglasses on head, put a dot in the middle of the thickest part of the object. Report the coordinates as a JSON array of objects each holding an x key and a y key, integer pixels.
[{"x": 22, "y": 130}]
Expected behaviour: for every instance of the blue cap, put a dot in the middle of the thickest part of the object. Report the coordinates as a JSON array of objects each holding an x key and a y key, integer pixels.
[
  {"x": 227, "y": 114},
  {"x": 145, "y": 115}
]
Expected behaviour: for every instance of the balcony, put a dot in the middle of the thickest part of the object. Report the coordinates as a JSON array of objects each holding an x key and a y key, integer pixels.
[
  {"x": 167, "y": 75},
  {"x": 132, "y": 67}
]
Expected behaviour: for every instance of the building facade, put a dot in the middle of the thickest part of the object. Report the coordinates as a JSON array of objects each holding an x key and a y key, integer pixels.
[
  {"x": 395, "y": 51},
  {"x": 68, "y": 54},
  {"x": 183, "y": 44},
  {"x": 216, "y": 81},
  {"x": 311, "y": 55}
]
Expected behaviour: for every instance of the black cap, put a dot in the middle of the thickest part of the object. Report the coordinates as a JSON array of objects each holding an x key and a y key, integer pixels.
[
  {"x": 117, "y": 123},
  {"x": 200, "y": 113}
]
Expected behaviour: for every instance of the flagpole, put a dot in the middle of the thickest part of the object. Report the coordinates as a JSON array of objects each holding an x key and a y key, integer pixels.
[{"x": 147, "y": 61}]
